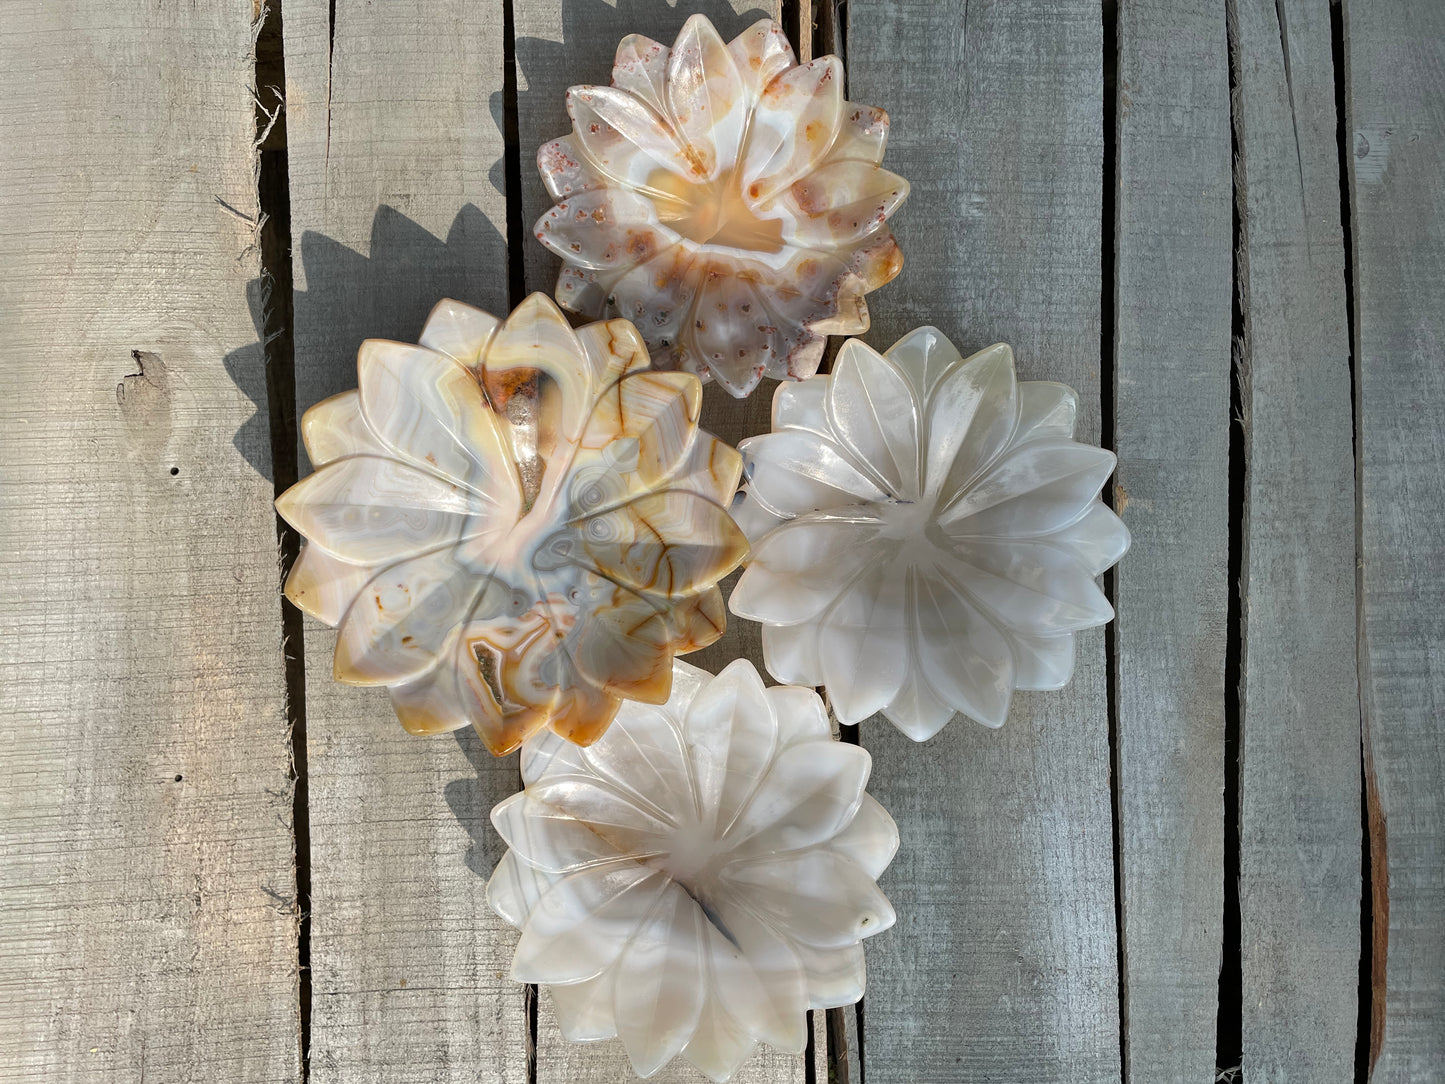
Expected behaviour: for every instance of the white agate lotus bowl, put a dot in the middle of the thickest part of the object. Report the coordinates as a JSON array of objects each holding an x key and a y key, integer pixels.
[
  {"x": 700, "y": 877},
  {"x": 513, "y": 525},
  {"x": 726, "y": 200},
  {"x": 926, "y": 534}
]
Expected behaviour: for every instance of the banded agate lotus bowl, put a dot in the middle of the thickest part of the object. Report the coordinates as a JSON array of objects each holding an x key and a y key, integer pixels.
[
  {"x": 926, "y": 534},
  {"x": 725, "y": 199},
  {"x": 513, "y": 525},
  {"x": 699, "y": 877}
]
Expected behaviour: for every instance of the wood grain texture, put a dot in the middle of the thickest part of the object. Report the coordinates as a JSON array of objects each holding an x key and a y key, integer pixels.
[
  {"x": 562, "y": 44},
  {"x": 1171, "y": 414},
  {"x": 1299, "y": 812},
  {"x": 393, "y": 127},
  {"x": 1396, "y": 69},
  {"x": 147, "y": 888},
  {"x": 1003, "y": 963}
]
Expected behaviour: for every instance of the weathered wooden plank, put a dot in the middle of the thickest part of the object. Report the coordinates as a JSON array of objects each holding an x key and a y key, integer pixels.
[
  {"x": 1299, "y": 811},
  {"x": 1003, "y": 963},
  {"x": 562, "y": 44},
  {"x": 147, "y": 926},
  {"x": 1171, "y": 408},
  {"x": 1396, "y": 64},
  {"x": 393, "y": 127}
]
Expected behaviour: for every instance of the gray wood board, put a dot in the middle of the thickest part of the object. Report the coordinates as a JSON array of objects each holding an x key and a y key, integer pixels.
[
  {"x": 1299, "y": 776},
  {"x": 563, "y": 44},
  {"x": 1003, "y": 963},
  {"x": 395, "y": 153},
  {"x": 1171, "y": 414},
  {"x": 147, "y": 886},
  {"x": 1396, "y": 60}
]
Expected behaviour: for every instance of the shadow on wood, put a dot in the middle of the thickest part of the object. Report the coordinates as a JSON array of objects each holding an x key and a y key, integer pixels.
[
  {"x": 471, "y": 797},
  {"x": 384, "y": 295}
]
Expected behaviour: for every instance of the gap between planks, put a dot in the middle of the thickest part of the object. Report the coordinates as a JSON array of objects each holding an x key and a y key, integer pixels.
[
  {"x": 1108, "y": 392},
  {"x": 274, "y": 201},
  {"x": 1229, "y": 1040},
  {"x": 1370, "y": 1023}
]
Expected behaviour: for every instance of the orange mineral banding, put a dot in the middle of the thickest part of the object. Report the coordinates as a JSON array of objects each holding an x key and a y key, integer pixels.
[
  {"x": 514, "y": 525},
  {"x": 723, "y": 177}
]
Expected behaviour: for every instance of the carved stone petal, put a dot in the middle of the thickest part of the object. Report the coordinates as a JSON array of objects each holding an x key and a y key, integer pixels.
[
  {"x": 430, "y": 411},
  {"x": 800, "y": 714},
  {"x": 872, "y": 408},
  {"x": 669, "y": 544},
  {"x": 625, "y": 140},
  {"x": 551, "y": 839},
  {"x": 863, "y": 135},
  {"x": 1038, "y": 488},
  {"x": 863, "y": 643},
  {"x": 325, "y": 586},
  {"x": 796, "y": 474},
  {"x": 584, "y": 1009},
  {"x": 1032, "y": 587},
  {"x": 838, "y": 204},
  {"x": 972, "y": 412},
  {"x": 918, "y": 710},
  {"x": 640, "y": 68},
  {"x": 776, "y": 1017},
  {"x": 843, "y": 903},
  {"x": 927, "y": 356},
  {"x": 515, "y": 888},
  {"x": 1098, "y": 538},
  {"x": 835, "y": 975},
  {"x": 870, "y": 840},
  {"x": 334, "y": 428},
  {"x": 404, "y": 617},
  {"x": 661, "y": 983},
  {"x": 581, "y": 925},
  {"x": 706, "y": 97},
  {"x": 1044, "y": 662},
  {"x": 791, "y": 653},
  {"x": 800, "y": 568},
  {"x": 459, "y": 331},
  {"x": 604, "y": 229},
  {"x": 762, "y": 53},
  {"x": 810, "y": 794},
  {"x": 733, "y": 735},
  {"x": 963, "y": 656},
  {"x": 370, "y": 510},
  {"x": 794, "y": 125},
  {"x": 721, "y": 1045}
]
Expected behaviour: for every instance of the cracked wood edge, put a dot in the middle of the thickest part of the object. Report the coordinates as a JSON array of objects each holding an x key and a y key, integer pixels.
[
  {"x": 1003, "y": 963},
  {"x": 147, "y": 886},
  {"x": 395, "y": 158},
  {"x": 1172, "y": 383},
  {"x": 1299, "y": 812},
  {"x": 1396, "y": 86}
]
